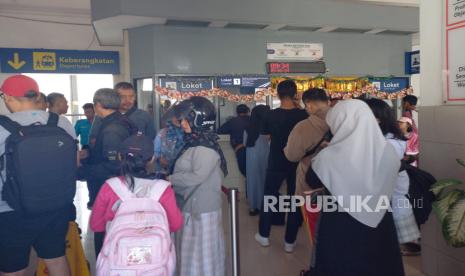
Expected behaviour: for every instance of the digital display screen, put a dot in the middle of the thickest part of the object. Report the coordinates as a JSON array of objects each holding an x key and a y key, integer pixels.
[{"x": 295, "y": 67}]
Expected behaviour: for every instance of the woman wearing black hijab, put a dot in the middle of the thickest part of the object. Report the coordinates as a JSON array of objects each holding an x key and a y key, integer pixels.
[{"x": 258, "y": 149}]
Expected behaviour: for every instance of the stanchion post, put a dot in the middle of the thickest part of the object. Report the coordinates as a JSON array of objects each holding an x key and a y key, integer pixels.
[{"x": 234, "y": 224}]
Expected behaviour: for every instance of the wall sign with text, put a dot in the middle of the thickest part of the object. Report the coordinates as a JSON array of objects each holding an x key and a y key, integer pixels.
[
  {"x": 294, "y": 51},
  {"x": 390, "y": 85},
  {"x": 186, "y": 84},
  {"x": 20, "y": 60},
  {"x": 455, "y": 12},
  {"x": 412, "y": 62},
  {"x": 243, "y": 81},
  {"x": 455, "y": 63}
]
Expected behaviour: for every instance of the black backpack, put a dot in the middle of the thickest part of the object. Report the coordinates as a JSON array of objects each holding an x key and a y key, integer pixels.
[
  {"x": 41, "y": 165},
  {"x": 420, "y": 195}
]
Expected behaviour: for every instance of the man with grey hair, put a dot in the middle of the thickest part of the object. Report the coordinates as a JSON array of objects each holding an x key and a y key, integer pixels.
[
  {"x": 102, "y": 161},
  {"x": 140, "y": 118},
  {"x": 57, "y": 103}
]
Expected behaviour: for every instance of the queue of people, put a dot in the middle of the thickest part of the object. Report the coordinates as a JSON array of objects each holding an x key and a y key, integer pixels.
[{"x": 145, "y": 187}]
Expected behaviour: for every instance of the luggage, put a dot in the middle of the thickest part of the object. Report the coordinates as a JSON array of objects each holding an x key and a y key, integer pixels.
[{"x": 41, "y": 166}]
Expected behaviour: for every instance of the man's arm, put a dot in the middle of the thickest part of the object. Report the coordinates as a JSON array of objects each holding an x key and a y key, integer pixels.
[
  {"x": 225, "y": 128},
  {"x": 77, "y": 128},
  {"x": 295, "y": 149},
  {"x": 95, "y": 128},
  {"x": 150, "y": 127},
  {"x": 112, "y": 139}
]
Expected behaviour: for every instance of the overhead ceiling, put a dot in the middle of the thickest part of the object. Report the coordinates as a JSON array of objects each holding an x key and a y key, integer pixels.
[
  {"x": 348, "y": 16},
  {"x": 50, "y": 6},
  {"x": 403, "y": 3},
  {"x": 111, "y": 17}
]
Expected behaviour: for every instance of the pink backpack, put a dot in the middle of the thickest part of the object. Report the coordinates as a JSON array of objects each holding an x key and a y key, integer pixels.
[{"x": 137, "y": 241}]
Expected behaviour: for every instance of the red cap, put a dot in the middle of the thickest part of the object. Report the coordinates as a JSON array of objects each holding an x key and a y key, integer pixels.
[{"x": 19, "y": 86}]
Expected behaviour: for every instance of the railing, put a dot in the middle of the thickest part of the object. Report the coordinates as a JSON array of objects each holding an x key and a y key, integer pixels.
[{"x": 234, "y": 224}]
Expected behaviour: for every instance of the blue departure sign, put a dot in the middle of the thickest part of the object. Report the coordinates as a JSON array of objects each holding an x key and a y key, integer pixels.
[{"x": 20, "y": 60}]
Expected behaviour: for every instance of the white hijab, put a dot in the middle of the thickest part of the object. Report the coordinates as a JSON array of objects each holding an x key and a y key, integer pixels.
[{"x": 358, "y": 161}]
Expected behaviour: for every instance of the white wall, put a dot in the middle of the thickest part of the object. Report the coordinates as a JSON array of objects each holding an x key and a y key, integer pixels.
[
  {"x": 442, "y": 139},
  {"x": 17, "y": 33},
  {"x": 431, "y": 52}
]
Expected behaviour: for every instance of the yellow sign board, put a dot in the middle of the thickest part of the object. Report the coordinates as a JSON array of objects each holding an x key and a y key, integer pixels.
[{"x": 44, "y": 61}]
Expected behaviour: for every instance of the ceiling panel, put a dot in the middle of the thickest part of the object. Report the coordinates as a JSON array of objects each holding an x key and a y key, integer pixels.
[
  {"x": 351, "y": 30},
  {"x": 187, "y": 23},
  {"x": 300, "y": 28},
  {"x": 246, "y": 26},
  {"x": 391, "y": 32}
]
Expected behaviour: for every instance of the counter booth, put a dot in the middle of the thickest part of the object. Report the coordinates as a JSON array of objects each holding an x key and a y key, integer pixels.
[{"x": 159, "y": 93}]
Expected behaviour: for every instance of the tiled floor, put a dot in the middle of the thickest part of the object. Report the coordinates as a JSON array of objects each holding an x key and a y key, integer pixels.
[{"x": 254, "y": 259}]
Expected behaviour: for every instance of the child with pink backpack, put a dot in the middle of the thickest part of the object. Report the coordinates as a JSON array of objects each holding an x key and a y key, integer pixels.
[{"x": 136, "y": 214}]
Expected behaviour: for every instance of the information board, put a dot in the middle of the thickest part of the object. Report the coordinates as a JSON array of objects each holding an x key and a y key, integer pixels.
[
  {"x": 455, "y": 12},
  {"x": 243, "y": 81},
  {"x": 390, "y": 85},
  {"x": 294, "y": 51},
  {"x": 21, "y": 60},
  {"x": 186, "y": 84},
  {"x": 455, "y": 63}
]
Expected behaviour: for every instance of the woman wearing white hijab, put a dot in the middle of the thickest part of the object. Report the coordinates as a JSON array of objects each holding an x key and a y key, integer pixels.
[{"x": 358, "y": 162}]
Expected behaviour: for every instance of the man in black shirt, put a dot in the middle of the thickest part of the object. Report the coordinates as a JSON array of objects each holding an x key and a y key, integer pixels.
[
  {"x": 279, "y": 125},
  {"x": 235, "y": 128},
  {"x": 102, "y": 162}
]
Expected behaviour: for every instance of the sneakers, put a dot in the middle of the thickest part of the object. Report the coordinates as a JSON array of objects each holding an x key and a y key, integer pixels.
[
  {"x": 410, "y": 249},
  {"x": 289, "y": 247},
  {"x": 265, "y": 242},
  {"x": 253, "y": 212},
  {"x": 262, "y": 240}
]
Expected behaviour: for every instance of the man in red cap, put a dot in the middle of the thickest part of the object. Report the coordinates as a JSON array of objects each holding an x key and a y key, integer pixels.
[{"x": 19, "y": 232}]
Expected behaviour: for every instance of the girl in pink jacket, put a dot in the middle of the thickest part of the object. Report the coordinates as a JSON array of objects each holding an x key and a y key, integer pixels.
[{"x": 135, "y": 154}]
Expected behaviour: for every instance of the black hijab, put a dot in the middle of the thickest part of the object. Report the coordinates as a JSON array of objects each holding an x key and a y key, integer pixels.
[{"x": 257, "y": 124}]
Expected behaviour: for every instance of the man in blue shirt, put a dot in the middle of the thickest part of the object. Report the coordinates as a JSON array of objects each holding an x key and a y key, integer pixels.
[
  {"x": 235, "y": 128},
  {"x": 83, "y": 126}
]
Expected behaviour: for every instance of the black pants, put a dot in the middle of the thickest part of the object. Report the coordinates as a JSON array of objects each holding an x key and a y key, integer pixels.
[
  {"x": 241, "y": 156},
  {"x": 273, "y": 182},
  {"x": 99, "y": 237},
  {"x": 94, "y": 185}
]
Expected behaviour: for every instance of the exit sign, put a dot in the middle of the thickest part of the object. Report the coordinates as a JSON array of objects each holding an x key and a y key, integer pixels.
[{"x": 295, "y": 67}]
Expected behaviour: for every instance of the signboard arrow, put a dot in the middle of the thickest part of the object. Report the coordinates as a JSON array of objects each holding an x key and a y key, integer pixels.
[{"x": 16, "y": 64}]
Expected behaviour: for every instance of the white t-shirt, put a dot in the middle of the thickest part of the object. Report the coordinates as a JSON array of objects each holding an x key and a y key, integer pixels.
[{"x": 26, "y": 118}]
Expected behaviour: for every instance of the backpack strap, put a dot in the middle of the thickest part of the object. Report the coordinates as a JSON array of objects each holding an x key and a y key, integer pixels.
[
  {"x": 130, "y": 111},
  {"x": 52, "y": 119},
  {"x": 315, "y": 148},
  {"x": 120, "y": 189},
  {"x": 158, "y": 189},
  {"x": 10, "y": 125}
]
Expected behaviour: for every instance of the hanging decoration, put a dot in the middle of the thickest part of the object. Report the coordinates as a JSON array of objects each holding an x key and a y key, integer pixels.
[
  {"x": 337, "y": 88},
  {"x": 215, "y": 92}
]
